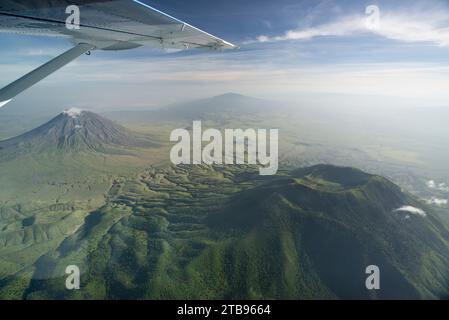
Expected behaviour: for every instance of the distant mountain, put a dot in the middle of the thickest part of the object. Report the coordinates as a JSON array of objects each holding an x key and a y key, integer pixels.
[
  {"x": 224, "y": 233},
  {"x": 73, "y": 130},
  {"x": 220, "y": 108},
  {"x": 230, "y": 104}
]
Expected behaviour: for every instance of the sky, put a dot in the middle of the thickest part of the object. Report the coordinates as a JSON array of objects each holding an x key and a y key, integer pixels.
[{"x": 391, "y": 52}]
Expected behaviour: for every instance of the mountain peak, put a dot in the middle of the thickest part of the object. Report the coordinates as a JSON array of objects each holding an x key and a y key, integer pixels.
[
  {"x": 73, "y": 112},
  {"x": 75, "y": 130},
  {"x": 218, "y": 107},
  {"x": 231, "y": 95}
]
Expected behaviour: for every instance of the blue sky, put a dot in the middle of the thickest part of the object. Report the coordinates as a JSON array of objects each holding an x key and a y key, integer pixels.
[{"x": 289, "y": 50}]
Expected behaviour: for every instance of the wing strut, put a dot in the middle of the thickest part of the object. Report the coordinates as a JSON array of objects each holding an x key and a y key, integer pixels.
[{"x": 30, "y": 79}]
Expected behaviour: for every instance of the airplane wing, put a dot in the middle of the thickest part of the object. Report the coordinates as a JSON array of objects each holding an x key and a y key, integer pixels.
[{"x": 103, "y": 25}]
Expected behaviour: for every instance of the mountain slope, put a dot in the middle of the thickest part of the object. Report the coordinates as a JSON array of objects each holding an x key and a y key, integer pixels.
[
  {"x": 223, "y": 232},
  {"x": 330, "y": 224},
  {"x": 76, "y": 153},
  {"x": 74, "y": 130}
]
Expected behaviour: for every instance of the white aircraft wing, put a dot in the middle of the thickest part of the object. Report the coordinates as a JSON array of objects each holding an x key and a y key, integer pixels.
[{"x": 103, "y": 25}]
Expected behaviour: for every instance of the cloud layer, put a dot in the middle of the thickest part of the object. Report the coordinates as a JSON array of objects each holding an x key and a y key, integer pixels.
[{"x": 406, "y": 25}]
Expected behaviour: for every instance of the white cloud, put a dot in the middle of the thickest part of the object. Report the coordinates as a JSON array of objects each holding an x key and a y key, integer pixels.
[
  {"x": 412, "y": 210},
  {"x": 343, "y": 27},
  {"x": 431, "y": 184},
  {"x": 73, "y": 112},
  {"x": 416, "y": 25},
  {"x": 47, "y": 52},
  {"x": 438, "y": 202}
]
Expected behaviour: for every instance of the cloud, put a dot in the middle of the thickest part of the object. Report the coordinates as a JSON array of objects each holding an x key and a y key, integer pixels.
[
  {"x": 343, "y": 27},
  {"x": 73, "y": 112},
  {"x": 431, "y": 184},
  {"x": 438, "y": 202},
  {"x": 406, "y": 25},
  {"x": 47, "y": 52},
  {"x": 411, "y": 210}
]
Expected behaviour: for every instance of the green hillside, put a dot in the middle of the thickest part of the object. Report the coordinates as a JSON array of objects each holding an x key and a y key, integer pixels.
[{"x": 224, "y": 232}]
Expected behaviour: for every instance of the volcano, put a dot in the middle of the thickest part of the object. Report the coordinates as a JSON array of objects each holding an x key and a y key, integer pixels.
[{"x": 74, "y": 130}]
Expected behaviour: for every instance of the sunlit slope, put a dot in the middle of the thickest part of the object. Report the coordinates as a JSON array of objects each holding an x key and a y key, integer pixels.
[{"x": 198, "y": 232}]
